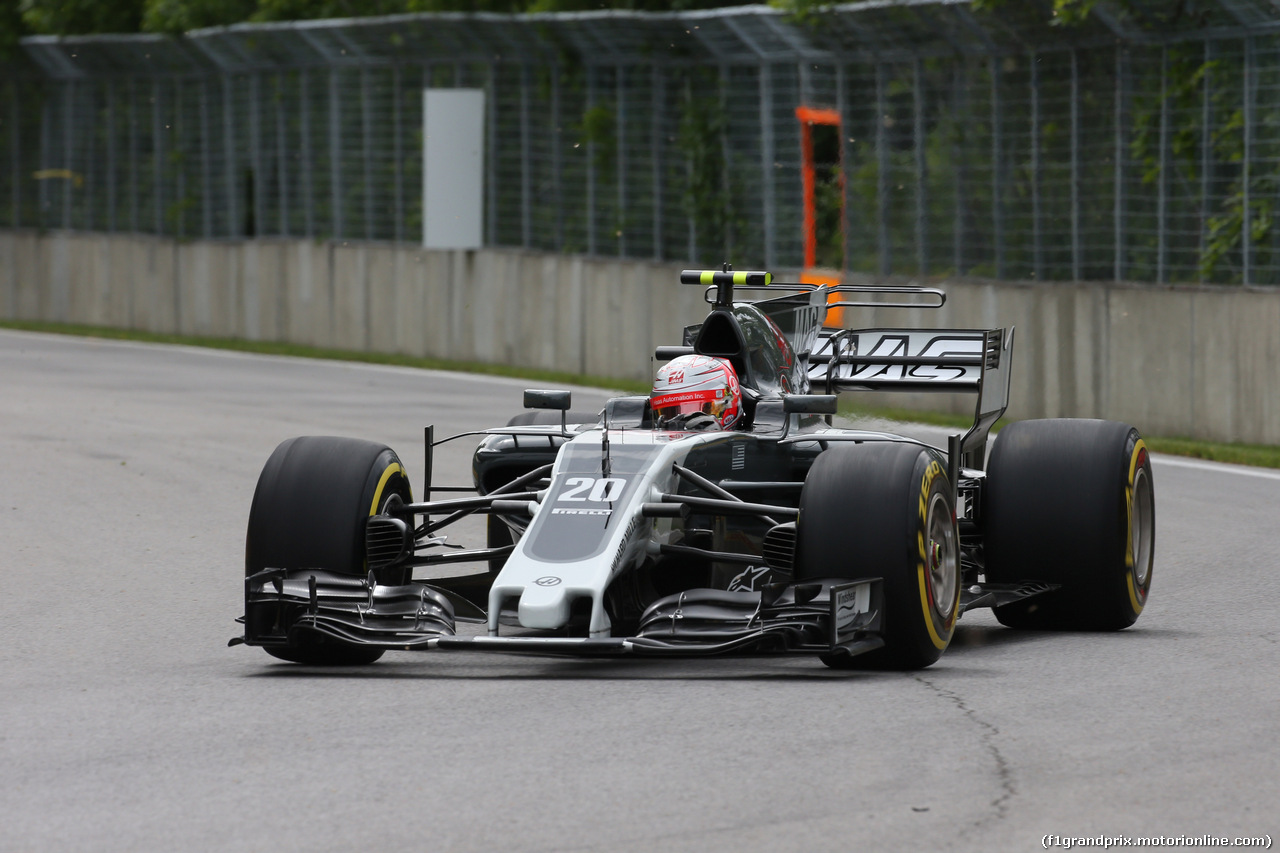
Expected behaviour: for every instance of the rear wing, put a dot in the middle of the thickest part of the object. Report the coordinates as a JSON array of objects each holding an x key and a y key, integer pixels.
[
  {"x": 947, "y": 360},
  {"x": 951, "y": 360}
]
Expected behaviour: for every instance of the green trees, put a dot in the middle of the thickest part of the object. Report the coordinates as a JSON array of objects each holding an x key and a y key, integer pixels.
[{"x": 79, "y": 17}]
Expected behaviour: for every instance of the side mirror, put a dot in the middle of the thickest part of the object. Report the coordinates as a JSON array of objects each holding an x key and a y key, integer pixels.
[
  {"x": 538, "y": 399},
  {"x": 810, "y": 404}
]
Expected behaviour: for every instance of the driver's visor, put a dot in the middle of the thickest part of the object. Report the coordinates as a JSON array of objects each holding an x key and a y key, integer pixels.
[{"x": 708, "y": 401}]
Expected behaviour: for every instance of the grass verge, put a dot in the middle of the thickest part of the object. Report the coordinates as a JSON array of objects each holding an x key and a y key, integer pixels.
[
  {"x": 1259, "y": 455},
  {"x": 1264, "y": 456}
]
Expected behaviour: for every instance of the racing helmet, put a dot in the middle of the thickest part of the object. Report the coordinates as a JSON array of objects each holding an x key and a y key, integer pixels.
[{"x": 697, "y": 384}]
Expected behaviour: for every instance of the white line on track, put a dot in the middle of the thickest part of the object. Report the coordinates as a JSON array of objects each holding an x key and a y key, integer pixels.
[
  {"x": 374, "y": 367},
  {"x": 1216, "y": 467}
]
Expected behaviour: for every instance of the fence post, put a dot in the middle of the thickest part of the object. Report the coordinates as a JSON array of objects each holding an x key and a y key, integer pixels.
[
  {"x": 591, "y": 165},
  {"x": 255, "y": 153},
  {"x": 922, "y": 169},
  {"x": 1206, "y": 156},
  {"x": 766, "y": 163},
  {"x": 1246, "y": 218},
  {"x": 1037, "y": 236},
  {"x": 335, "y": 157},
  {"x": 111, "y": 160},
  {"x": 397, "y": 153},
  {"x": 1162, "y": 203},
  {"x": 842, "y": 142},
  {"x": 882, "y": 174},
  {"x": 526, "y": 191},
  {"x": 726, "y": 195},
  {"x": 1075, "y": 165},
  {"x": 180, "y": 177},
  {"x": 366, "y": 147},
  {"x": 68, "y": 152},
  {"x": 491, "y": 159},
  {"x": 89, "y": 155},
  {"x": 229, "y": 166},
  {"x": 46, "y": 156},
  {"x": 206, "y": 158},
  {"x": 997, "y": 166},
  {"x": 691, "y": 225},
  {"x": 620, "y": 171},
  {"x": 15, "y": 153},
  {"x": 1121, "y": 95},
  {"x": 157, "y": 160},
  {"x": 658, "y": 92},
  {"x": 133, "y": 154},
  {"x": 282, "y": 156},
  {"x": 304, "y": 128},
  {"x": 557, "y": 157}
]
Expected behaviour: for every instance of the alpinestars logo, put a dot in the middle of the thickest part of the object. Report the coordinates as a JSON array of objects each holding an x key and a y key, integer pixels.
[{"x": 746, "y": 582}]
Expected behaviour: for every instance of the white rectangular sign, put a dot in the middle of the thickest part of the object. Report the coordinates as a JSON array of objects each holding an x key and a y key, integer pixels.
[{"x": 452, "y": 168}]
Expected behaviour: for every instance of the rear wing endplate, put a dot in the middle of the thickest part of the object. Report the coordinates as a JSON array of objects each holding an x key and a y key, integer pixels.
[{"x": 936, "y": 360}]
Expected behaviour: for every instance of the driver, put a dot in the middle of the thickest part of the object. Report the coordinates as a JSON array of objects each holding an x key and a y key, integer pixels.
[{"x": 696, "y": 392}]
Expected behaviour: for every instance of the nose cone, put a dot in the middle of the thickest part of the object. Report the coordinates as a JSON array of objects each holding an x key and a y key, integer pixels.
[{"x": 544, "y": 604}]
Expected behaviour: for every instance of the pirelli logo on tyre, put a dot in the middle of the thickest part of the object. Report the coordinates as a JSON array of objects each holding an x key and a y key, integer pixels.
[{"x": 926, "y": 485}]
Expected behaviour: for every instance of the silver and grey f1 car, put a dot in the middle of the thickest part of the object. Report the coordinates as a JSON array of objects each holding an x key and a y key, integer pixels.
[{"x": 612, "y": 534}]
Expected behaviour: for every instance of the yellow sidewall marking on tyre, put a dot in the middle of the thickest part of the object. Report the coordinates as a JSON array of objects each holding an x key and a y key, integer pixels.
[
  {"x": 938, "y": 642},
  {"x": 1139, "y": 448},
  {"x": 926, "y": 605},
  {"x": 391, "y": 470}
]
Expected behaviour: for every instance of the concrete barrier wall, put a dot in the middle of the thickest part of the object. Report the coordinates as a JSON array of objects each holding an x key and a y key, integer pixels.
[{"x": 1173, "y": 360}]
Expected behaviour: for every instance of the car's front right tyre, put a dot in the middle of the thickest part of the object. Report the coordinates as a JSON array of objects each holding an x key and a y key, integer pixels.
[{"x": 313, "y": 499}]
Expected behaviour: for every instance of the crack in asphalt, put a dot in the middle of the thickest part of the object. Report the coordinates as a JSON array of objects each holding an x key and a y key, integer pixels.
[{"x": 988, "y": 737}]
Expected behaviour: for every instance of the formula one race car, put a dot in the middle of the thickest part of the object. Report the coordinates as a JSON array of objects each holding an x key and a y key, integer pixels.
[{"x": 767, "y": 530}]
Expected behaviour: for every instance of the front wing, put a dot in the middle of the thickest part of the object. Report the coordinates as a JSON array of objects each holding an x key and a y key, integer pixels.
[{"x": 835, "y": 617}]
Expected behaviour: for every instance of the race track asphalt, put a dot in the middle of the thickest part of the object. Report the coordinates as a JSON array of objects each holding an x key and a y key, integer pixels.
[{"x": 127, "y": 724}]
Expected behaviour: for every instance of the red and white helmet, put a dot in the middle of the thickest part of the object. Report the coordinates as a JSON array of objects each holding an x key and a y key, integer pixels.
[{"x": 697, "y": 383}]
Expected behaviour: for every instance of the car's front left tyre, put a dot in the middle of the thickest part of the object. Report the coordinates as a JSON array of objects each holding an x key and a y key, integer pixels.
[{"x": 885, "y": 510}]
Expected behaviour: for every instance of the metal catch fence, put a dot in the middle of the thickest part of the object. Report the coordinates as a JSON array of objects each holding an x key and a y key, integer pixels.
[{"x": 915, "y": 138}]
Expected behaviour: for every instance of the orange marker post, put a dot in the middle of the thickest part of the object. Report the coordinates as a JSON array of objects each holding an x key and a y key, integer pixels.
[{"x": 808, "y": 117}]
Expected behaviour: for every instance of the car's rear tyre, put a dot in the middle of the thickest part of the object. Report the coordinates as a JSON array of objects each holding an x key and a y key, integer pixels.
[
  {"x": 309, "y": 511},
  {"x": 885, "y": 510},
  {"x": 1071, "y": 502}
]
